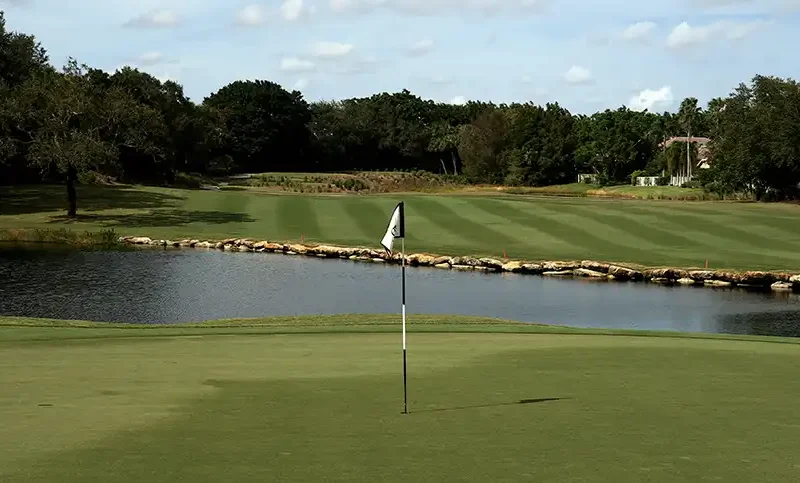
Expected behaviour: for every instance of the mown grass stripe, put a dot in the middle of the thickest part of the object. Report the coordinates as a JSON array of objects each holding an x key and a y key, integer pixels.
[
  {"x": 297, "y": 217},
  {"x": 571, "y": 234},
  {"x": 367, "y": 216},
  {"x": 441, "y": 215},
  {"x": 748, "y": 239}
]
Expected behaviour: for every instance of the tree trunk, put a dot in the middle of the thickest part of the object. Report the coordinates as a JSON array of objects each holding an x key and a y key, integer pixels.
[
  {"x": 72, "y": 195},
  {"x": 443, "y": 166},
  {"x": 455, "y": 163}
]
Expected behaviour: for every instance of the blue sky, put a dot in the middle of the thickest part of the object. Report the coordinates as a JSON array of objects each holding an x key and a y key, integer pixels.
[{"x": 588, "y": 55}]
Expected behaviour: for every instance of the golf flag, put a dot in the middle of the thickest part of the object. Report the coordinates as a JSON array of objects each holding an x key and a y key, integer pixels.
[{"x": 396, "y": 228}]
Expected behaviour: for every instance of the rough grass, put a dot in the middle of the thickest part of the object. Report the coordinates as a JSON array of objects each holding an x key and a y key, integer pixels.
[
  {"x": 745, "y": 236},
  {"x": 224, "y": 404},
  {"x": 673, "y": 193}
]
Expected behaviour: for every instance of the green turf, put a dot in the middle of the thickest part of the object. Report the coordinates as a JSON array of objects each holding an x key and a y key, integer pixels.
[
  {"x": 220, "y": 402},
  {"x": 653, "y": 233}
]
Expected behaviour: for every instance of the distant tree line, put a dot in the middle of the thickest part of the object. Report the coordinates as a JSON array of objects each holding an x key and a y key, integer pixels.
[{"x": 85, "y": 123}]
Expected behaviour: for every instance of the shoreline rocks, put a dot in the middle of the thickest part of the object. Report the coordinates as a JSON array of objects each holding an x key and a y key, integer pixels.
[{"x": 585, "y": 269}]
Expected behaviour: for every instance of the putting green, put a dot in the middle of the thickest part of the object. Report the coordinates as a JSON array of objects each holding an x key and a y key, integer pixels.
[{"x": 231, "y": 403}]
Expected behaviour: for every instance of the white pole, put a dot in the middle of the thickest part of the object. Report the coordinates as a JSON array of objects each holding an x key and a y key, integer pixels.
[{"x": 403, "y": 270}]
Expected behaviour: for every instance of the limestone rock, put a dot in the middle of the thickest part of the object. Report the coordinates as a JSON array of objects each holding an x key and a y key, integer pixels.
[
  {"x": 513, "y": 267},
  {"x": 298, "y": 249},
  {"x": 585, "y": 272},
  {"x": 440, "y": 260},
  {"x": 532, "y": 268},
  {"x": 795, "y": 279},
  {"x": 557, "y": 273},
  {"x": 244, "y": 248},
  {"x": 229, "y": 241},
  {"x": 378, "y": 260},
  {"x": 141, "y": 240},
  {"x": 419, "y": 259},
  {"x": 701, "y": 275},
  {"x": 442, "y": 265},
  {"x": 559, "y": 266},
  {"x": 260, "y": 245},
  {"x": 595, "y": 266},
  {"x": 668, "y": 273},
  {"x": 273, "y": 247},
  {"x": 660, "y": 280},
  {"x": 686, "y": 281},
  {"x": 228, "y": 247},
  {"x": 756, "y": 278},
  {"x": 782, "y": 286},
  {"x": 463, "y": 268},
  {"x": 204, "y": 244},
  {"x": 717, "y": 283},
  {"x": 491, "y": 263},
  {"x": 622, "y": 273}
]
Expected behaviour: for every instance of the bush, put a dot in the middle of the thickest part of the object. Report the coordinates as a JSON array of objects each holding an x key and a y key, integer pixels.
[
  {"x": 635, "y": 175},
  {"x": 189, "y": 180},
  {"x": 602, "y": 179},
  {"x": 663, "y": 181}
]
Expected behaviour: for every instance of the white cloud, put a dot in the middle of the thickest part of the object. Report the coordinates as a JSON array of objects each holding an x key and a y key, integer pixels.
[
  {"x": 578, "y": 75},
  {"x": 251, "y": 16},
  {"x": 426, "y": 7},
  {"x": 331, "y": 49},
  {"x": 685, "y": 35},
  {"x": 652, "y": 100},
  {"x": 458, "y": 100},
  {"x": 301, "y": 84},
  {"x": 294, "y": 64},
  {"x": 293, "y": 10},
  {"x": 154, "y": 19},
  {"x": 638, "y": 31},
  {"x": 421, "y": 47}
]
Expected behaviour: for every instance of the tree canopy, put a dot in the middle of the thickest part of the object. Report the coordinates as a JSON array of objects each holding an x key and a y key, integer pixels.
[{"x": 131, "y": 126}]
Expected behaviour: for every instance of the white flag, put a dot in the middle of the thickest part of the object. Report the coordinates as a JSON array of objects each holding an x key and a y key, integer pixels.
[{"x": 396, "y": 228}]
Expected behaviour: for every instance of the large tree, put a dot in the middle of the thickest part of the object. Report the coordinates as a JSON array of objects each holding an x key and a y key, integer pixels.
[{"x": 268, "y": 126}]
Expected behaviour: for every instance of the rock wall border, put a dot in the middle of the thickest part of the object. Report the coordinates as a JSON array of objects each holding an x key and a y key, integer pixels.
[{"x": 776, "y": 281}]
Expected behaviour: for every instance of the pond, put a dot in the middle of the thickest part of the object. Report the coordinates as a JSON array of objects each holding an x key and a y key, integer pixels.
[{"x": 172, "y": 286}]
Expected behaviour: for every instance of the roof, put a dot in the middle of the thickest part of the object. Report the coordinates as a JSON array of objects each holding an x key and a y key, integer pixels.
[{"x": 683, "y": 139}]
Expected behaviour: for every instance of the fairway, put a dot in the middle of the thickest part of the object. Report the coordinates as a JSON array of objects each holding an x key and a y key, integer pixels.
[
  {"x": 233, "y": 402},
  {"x": 653, "y": 233}
]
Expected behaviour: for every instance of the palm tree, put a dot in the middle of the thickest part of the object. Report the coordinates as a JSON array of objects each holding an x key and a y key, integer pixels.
[{"x": 689, "y": 118}]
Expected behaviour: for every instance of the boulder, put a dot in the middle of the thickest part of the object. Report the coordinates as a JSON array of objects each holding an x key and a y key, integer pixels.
[
  {"x": 701, "y": 275},
  {"x": 491, "y": 263},
  {"x": 717, "y": 283},
  {"x": 756, "y": 278},
  {"x": 219, "y": 246},
  {"x": 245, "y": 243},
  {"x": 463, "y": 268},
  {"x": 471, "y": 262},
  {"x": 685, "y": 281},
  {"x": 585, "y": 272},
  {"x": 298, "y": 249},
  {"x": 244, "y": 248},
  {"x": 622, "y": 273},
  {"x": 204, "y": 244},
  {"x": 559, "y": 266},
  {"x": 228, "y": 247},
  {"x": 419, "y": 259},
  {"x": 668, "y": 273},
  {"x": 532, "y": 268},
  {"x": 513, "y": 267},
  {"x": 440, "y": 260},
  {"x": 377, "y": 260},
  {"x": 353, "y": 257},
  {"x": 229, "y": 241},
  {"x": 273, "y": 247},
  {"x": 484, "y": 269},
  {"x": 140, "y": 240},
  {"x": 661, "y": 280},
  {"x": 185, "y": 243},
  {"x": 795, "y": 279},
  {"x": 175, "y": 244},
  {"x": 595, "y": 266},
  {"x": 260, "y": 245},
  {"x": 782, "y": 286},
  {"x": 442, "y": 265},
  {"x": 558, "y": 273}
]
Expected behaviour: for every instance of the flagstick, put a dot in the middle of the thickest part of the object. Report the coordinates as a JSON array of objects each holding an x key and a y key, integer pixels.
[{"x": 403, "y": 270}]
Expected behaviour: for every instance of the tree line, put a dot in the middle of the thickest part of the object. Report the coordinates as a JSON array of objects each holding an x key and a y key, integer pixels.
[{"x": 84, "y": 123}]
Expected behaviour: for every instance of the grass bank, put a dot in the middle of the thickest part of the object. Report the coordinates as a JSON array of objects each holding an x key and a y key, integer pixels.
[
  {"x": 744, "y": 236},
  {"x": 672, "y": 193},
  {"x": 218, "y": 401}
]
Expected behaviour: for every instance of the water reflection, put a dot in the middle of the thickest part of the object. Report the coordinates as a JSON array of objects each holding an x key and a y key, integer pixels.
[{"x": 166, "y": 286}]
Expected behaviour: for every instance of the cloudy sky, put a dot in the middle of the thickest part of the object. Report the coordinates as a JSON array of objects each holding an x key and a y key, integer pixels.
[{"x": 586, "y": 54}]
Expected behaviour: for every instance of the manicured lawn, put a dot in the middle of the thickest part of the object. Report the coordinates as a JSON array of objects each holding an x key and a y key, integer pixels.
[
  {"x": 654, "y": 233},
  {"x": 230, "y": 403}
]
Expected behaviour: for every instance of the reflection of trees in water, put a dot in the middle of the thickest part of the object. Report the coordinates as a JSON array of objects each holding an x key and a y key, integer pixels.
[{"x": 777, "y": 323}]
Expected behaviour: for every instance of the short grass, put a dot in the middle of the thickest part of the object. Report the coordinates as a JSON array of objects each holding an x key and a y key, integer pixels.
[
  {"x": 223, "y": 402},
  {"x": 652, "y": 233}
]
